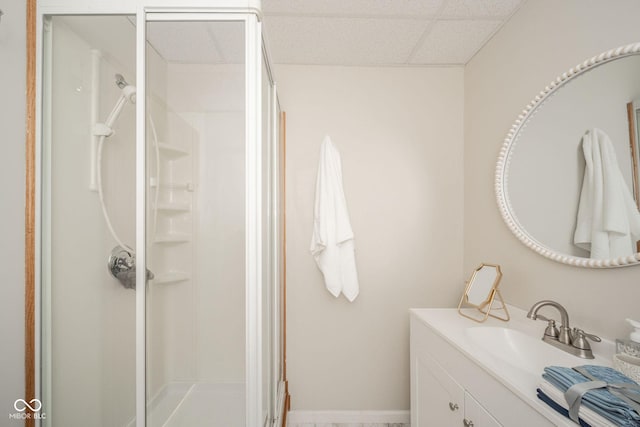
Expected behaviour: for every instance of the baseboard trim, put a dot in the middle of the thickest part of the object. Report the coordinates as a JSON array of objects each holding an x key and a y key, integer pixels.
[{"x": 340, "y": 417}]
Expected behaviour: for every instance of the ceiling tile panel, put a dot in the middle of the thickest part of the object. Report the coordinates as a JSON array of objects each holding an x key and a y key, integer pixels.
[
  {"x": 479, "y": 8},
  {"x": 346, "y": 32},
  {"x": 454, "y": 42},
  {"x": 185, "y": 42},
  {"x": 342, "y": 41},
  {"x": 229, "y": 40},
  {"x": 353, "y": 7}
]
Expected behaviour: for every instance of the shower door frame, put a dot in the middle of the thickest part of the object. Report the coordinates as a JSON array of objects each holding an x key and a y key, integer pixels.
[{"x": 246, "y": 11}]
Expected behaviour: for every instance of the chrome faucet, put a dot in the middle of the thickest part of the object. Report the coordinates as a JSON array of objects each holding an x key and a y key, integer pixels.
[
  {"x": 564, "y": 335},
  {"x": 573, "y": 341}
]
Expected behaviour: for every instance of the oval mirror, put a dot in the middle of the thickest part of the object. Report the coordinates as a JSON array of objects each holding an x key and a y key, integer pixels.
[{"x": 567, "y": 172}]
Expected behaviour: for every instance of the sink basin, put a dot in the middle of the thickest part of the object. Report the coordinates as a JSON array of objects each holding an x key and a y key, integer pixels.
[{"x": 520, "y": 350}]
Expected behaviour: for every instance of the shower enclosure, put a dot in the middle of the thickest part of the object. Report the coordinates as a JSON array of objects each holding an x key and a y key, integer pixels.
[{"x": 160, "y": 251}]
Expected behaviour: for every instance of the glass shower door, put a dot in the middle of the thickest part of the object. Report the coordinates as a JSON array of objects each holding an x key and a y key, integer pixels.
[
  {"x": 195, "y": 73},
  {"x": 186, "y": 166},
  {"x": 87, "y": 350}
]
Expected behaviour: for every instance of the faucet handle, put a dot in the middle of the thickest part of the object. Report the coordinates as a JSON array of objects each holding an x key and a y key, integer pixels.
[
  {"x": 551, "y": 330},
  {"x": 541, "y": 317},
  {"x": 545, "y": 318},
  {"x": 579, "y": 339},
  {"x": 592, "y": 337}
]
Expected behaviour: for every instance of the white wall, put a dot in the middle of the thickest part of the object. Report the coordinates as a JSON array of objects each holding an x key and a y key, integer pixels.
[
  {"x": 12, "y": 172},
  {"x": 543, "y": 39},
  {"x": 399, "y": 132}
]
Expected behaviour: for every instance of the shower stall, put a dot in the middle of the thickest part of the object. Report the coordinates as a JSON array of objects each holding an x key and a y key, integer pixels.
[{"x": 159, "y": 280}]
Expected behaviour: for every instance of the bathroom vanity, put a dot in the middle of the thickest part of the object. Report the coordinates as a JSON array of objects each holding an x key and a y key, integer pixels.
[{"x": 465, "y": 373}]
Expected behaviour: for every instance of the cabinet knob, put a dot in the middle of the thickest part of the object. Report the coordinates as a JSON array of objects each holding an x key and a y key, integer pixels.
[
  {"x": 467, "y": 423},
  {"x": 453, "y": 406}
]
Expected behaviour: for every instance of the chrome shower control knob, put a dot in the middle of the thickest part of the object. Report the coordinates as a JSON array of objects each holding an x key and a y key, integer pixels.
[
  {"x": 467, "y": 423},
  {"x": 122, "y": 266},
  {"x": 453, "y": 406}
]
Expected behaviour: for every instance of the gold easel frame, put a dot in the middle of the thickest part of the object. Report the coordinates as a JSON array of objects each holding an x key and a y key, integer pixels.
[{"x": 486, "y": 306}]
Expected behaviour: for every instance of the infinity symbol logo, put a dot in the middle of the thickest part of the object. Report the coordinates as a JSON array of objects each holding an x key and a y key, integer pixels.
[{"x": 37, "y": 405}]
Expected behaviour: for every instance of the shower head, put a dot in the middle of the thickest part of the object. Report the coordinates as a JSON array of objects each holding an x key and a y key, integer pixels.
[
  {"x": 128, "y": 91},
  {"x": 120, "y": 81},
  {"x": 128, "y": 94}
]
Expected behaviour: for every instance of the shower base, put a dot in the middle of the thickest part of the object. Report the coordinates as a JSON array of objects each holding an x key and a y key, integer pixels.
[{"x": 198, "y": 404}]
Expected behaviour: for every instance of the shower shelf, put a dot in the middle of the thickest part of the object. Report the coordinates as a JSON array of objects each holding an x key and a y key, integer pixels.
[
  {"x": 173, "y": 207},
  {"x": 172, "y": 238},
  {"x": 171, "y": 151},
  {"x": 188, "y": 186},
  {"x": 171, "y": 277}
]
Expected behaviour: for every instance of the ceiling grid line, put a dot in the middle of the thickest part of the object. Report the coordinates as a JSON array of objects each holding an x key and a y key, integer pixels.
[{"x": 425, "y": 34}]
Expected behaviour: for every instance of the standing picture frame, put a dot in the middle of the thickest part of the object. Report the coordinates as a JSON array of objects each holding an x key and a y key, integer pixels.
[{"x": 481, "y": 293}]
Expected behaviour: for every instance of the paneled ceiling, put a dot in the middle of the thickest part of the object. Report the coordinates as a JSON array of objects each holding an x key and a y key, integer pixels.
[
  {"x": 340, "y": 32},
  {"x": 382, "y": 32}
]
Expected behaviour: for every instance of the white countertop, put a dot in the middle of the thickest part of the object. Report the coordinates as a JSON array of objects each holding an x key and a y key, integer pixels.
[{"x": 517, "y": 368}]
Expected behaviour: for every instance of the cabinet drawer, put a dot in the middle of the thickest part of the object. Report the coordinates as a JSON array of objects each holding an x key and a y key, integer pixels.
[
  {"x": 439, "y": 399},
  {"x": 475, "y": 414}
]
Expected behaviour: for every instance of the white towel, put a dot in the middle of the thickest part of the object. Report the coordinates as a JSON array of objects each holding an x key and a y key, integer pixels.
[
  {"x": 332, "y": 240},
  {"x": 608, "y": 221}
]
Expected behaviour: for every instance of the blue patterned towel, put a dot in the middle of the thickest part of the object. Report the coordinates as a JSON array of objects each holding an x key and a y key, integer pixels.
[
  {"x": 601, "y": 400},
  {"x": 559, "y": 409}
]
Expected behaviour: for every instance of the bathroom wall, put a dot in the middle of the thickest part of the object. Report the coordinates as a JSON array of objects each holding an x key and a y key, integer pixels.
[
  {"x": 399, "y": 132},
  {"x": 542, "y": 40},
  {"x": 12, "y": 172}
]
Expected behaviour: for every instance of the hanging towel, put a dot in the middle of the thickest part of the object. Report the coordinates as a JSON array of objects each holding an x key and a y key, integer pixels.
[
  {"x": 608, "y": 221},
  {"x": 332, "y": 240}
]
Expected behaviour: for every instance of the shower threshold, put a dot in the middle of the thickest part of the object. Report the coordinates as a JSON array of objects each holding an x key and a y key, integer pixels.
[{"x": 197, "y": 404}]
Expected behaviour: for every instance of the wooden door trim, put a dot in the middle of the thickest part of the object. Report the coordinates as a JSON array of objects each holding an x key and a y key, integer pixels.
[
  {"x": 30, "y": 210},
  {"x": 287, "y": 396}
]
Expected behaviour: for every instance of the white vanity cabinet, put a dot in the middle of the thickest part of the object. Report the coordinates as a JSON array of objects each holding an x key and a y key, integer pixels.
[
  {"x": 437, "y": 399},
  {"x": 449, "y": 389}
]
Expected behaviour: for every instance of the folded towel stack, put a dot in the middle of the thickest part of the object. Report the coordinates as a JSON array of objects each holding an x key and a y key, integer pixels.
[{"x": 593, "y": 396}]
